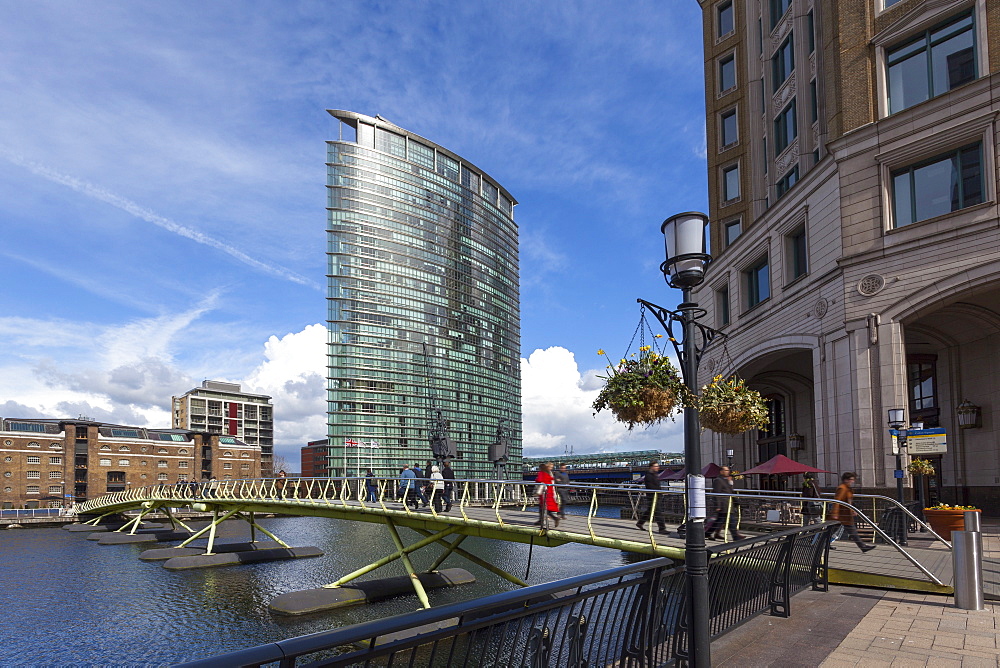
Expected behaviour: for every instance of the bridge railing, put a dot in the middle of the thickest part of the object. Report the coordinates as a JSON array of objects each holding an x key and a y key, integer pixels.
[{"x": 573, "y": 622}]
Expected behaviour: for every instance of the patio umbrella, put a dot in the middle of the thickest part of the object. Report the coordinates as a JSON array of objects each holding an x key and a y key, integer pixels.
[
  {"x": 710, "y": 471},
  {"x": 782, "y": 465}
]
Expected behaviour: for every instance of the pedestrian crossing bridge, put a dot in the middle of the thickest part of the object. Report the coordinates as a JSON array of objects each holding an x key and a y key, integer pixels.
[{"x": 603, "y": 516}]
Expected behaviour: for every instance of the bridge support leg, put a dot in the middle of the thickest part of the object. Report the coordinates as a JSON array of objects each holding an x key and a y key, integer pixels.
[
  {"x": 431, "y": 538},
  {"x": 417, "y": 586},
  {"x": 174, "y": 521},
  {"x": 134, "y": 523},
  {"x": 97, "y": 520},
  {"x": 479, "y": 562},
  {"x": 203, "y": 531},
  {"x": 444, "y": 555},
  {"x": 267, "y": 533}
]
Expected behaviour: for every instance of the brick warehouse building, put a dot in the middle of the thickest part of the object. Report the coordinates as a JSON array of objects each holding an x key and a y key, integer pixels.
[
  {"x": 46, "y": 463},
  {"x": 855, "y": 229}
]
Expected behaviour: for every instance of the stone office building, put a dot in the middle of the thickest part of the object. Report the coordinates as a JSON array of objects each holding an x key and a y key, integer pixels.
[
  {"x": 853, "y": 198},
  {"x": 48, "y": 463}
]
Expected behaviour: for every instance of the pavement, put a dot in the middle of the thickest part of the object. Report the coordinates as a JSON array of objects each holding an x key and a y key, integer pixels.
[{"x": 871, "y": 628}]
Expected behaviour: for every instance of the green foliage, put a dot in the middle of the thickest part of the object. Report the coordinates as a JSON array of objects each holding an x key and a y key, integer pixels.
[
  {"x": 642, "y": 391},
  {"x": 920, "y": 467},
  {"x": 728, "y": 406}
]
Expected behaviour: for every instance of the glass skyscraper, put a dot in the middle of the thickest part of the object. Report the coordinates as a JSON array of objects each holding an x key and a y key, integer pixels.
[{"x": 424, "y": 320}]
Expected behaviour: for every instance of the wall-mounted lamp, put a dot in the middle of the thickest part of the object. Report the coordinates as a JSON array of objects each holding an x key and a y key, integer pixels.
[
  {"x": 796, "y": 441},
  {"x": 970, "y": 416}
]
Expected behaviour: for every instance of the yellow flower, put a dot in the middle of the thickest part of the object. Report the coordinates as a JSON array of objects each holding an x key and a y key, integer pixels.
[
  {"x": 659, "y": 336},
  {"x": 600, "y": 351}
]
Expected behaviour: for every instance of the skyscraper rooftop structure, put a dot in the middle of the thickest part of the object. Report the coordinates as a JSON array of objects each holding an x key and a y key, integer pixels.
[{"x": 424, "y": 321}]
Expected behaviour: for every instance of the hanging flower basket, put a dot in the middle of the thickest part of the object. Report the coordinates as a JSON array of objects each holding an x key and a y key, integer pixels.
[
  {"x": 920, "y": 467},
  {"x": 641, "y": 391},
  {"x": 728, "y": 406}
]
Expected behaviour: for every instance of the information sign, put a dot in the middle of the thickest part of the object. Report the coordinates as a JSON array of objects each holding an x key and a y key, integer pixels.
[{"x": 922, "y": 442}]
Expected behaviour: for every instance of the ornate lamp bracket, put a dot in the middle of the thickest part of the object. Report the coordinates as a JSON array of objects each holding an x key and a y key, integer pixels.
[{"x": 686, "y": 312}]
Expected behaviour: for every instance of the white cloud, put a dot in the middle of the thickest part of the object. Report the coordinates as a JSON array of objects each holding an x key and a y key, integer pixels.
[
  {"x": 293, "y": 373},
  {"x": 556, "y": 405}
]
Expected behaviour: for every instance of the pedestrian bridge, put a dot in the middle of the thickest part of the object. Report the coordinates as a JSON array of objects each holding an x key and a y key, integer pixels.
[{"x": 604, "y": 516}]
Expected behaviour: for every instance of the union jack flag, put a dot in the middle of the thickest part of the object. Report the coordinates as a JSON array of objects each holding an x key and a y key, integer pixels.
[{"x": 351, "y": 443}]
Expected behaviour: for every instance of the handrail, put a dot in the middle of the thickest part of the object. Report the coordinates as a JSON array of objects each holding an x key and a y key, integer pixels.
[{"x": 243, "y": 490}]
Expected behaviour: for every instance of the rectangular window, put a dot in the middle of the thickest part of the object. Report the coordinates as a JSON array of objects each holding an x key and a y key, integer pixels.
[
  {"x": 778, "y": 9},
  {"x": 32, "y": 489},
  {"x": 390, "y": 142},
  {"x": 124, "y": 462},
  {"x": 733, "y": 230},
  {"x": 125, "y": 433},
  {"x": 933, "y": 63},
  {"x": 921, "y": 374},
  {"x": 727, "y": 73},
  {"x": 161, "y": 464},
  {"x": 785, "y": 128},
  {"x": 55, "y": 460},
  {"x": 182, "y": 464},
  {"x": 105, "y": 462},
  {"x": 26, "y": 426},
  {"x": 34, "y": 460},
  {"x": 813, "y": 102},
  {"x": 797, "y": 253},
  {"x": 725, "y": 15},
  {"x": 55, "y": 475},
  {"x": 729, "y": 128},
  {"x": 938, "y": 186},
  {"x": 420, "y": 154},
  {"x": 786, "y": 182},
  {"x": 767, "y": 158},
  {"x": 55, "y": 489},
  {"x": 730, "y": 183},
  {"x": 758, "y": 283},
  {"x": 227, "y": 465},
  {"x": 722, "y": 304},
  {"x": 783, "y": 62},
  {"x": 32, "y": 475}
]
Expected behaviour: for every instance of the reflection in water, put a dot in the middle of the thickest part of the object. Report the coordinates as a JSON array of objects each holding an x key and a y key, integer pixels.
[{"x": 67, "y": 600}]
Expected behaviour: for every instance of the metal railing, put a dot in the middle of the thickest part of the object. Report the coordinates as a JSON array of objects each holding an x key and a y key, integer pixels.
[
  {"x": 575, "y": 622},
  {"x": 755, "y": 512}
]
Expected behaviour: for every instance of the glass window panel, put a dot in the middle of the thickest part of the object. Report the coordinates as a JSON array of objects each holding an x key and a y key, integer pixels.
[
  {"x": 726, "y": 24},
  {"x": 727, "y": 73},
  {"x": 733, "y": 231},
  {"x": 902, "y": 199},
  {"x": 722, "y": 298},
  {"x": 933, "y": 185},
  {"x": 908, "y": 82},
  {"x": 731, "y": 183},
  {"x": 783, "y": 62},
  {"x": 953, "y": 62},
  {"x": 730, "y": 129},
  {"x": 972, "y": 176}
]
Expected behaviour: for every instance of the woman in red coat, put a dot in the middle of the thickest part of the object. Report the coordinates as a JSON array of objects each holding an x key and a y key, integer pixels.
[{"x": 547, "y": 499}]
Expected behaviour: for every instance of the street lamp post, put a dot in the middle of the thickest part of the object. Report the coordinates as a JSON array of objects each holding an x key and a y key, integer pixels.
[
  {"x": 684, "y": 269},
  {"x": 897, "y": 422},
  {"x": 729, "y": 456}
]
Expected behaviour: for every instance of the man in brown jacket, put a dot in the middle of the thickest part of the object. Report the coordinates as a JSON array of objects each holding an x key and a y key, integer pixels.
[{"x": 845, "y": 515}]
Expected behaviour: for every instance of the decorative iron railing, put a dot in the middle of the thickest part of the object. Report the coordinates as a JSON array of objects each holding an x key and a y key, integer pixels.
[{"x": 628, "y": 616}]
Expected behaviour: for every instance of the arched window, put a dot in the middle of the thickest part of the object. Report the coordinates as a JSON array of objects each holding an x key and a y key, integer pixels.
[{"x": 124, "y": 448}]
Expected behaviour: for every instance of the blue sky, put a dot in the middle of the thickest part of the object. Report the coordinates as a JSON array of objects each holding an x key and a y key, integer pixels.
[{"x": 162, "y": 188}]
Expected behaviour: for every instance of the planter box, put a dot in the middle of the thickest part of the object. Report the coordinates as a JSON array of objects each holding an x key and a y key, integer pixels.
[{"x": 945, "y": 521}]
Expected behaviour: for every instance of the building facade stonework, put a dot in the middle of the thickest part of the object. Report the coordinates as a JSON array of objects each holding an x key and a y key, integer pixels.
[
  {"x": 859, "y": 269},
  {"x": 50, "y": 463}
]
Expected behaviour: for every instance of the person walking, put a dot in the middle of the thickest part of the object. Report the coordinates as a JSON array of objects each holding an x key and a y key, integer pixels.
[
  {"x": 281, "y": 482},
  {"x": 723, "y": 505},
  {"x": 449, "y": 485},
  {"x": 421, "y": 481},
  {"x": 653, "y": 484},
  {"x": 845, "y": 515},
  {"x": 437, "y": 488},
  {"x": 546, "y": 495},
  {"x": 407, "y": 483},
  {"x": 812, "y": 511},
  {"x": 562, "y": 480},
  {"x": 371, "y": 486}
]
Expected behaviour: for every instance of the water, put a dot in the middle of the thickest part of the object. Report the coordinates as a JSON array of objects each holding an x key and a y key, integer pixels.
[{"x": 69, "y": 601}]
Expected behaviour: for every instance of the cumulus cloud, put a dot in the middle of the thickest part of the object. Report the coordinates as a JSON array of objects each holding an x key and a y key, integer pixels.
[
  {"x": 556, "y": 405},
  {"x": 18, "y": 410},
  {"x": 293, "y": 373}
]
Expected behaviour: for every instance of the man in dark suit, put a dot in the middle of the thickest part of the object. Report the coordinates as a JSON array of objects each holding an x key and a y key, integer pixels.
[{"x": 652, "y": 483}]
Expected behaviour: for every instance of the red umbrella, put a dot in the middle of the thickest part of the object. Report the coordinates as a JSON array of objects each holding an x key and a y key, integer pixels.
[
  {"x": 780, "y": 464},
  {"x": 710, "y": 471}
]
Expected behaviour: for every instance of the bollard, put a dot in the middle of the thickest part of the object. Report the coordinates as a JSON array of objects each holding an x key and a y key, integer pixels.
[
  {"x": 967, "y": 556},
  {"x": 972, "y": 520}
]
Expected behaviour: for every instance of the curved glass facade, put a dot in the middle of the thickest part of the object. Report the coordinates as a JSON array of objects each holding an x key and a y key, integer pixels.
[{"x": 423, "y": 303}]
